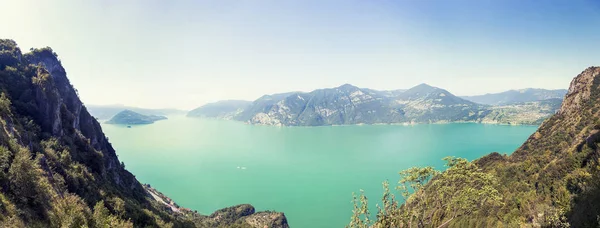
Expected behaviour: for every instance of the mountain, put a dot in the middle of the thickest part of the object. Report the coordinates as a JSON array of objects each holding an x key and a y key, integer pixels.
[
  {"x": 58, "y": 169},
  {"x": 426, "y": 104},
  {"x": 105, "y": 112},
  {"x": 348, "y": 104},
  {"x": 552, "y": 180},
  {"x": 222, "y": 109},
  {"x": 129, "y": 117},
  {"x": 517, "y": 96}
]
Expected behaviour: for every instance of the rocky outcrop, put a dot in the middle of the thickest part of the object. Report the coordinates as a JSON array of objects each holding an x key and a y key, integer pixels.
[
  {"x": 580, "y": 90},
  {"x": 245, "y": 214},
  {"x": 267, "y": 219}
]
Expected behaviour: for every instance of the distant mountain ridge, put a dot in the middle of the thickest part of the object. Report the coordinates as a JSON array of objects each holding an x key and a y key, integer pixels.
[
  {"x": 517, "y": 96},
  {"x": 348, "y": 104}
]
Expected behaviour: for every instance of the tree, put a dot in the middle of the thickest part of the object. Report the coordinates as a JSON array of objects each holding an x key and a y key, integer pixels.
[
  {"x": 388, "y": 214},
  {"x": 432, "y": 198},
  {"x": 464, "y": 189},
  {"x": 4, "y": 104},
  {"x": 26, "y": 181},
  {"x": 360, "y": 214},
  {"x": 410, "y": 186},
  {"x": 103, "y": 218},
  {"x": 69, "y": 211}
]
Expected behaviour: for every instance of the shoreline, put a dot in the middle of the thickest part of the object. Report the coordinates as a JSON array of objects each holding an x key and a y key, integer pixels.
[{"x": 373, "y": 124}]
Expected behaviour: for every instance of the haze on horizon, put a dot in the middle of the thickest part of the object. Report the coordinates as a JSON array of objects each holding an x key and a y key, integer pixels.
[{"x": 182, "y": 54}]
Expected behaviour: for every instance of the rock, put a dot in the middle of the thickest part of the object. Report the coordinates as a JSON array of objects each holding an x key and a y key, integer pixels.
[
  {"x": 580, "y": 90},
  {"x": 267, "y": 219}
]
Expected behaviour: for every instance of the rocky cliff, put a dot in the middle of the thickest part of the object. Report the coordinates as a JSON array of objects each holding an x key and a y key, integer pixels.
[{"x": 57, "y": 169}]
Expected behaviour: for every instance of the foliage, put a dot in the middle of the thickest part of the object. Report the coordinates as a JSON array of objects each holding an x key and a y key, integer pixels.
[
  {"x": 103, "y": 218},
  {"x": 360, "y": 213},
  {"x": 433, "y": 198}
]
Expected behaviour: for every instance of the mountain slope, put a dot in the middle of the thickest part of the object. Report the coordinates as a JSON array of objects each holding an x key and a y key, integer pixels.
[
  {"x": 57, "y": 169},
  {"x": 517, "y": 96},
  {"x": 226, "y": 109},
  {"x": 131, "y": 117}
]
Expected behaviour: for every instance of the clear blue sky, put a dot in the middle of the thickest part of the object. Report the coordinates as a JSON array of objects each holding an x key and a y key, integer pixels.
[{"x": 183, "y": 54}]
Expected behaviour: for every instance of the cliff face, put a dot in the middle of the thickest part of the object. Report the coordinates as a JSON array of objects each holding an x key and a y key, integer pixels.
[
  {"x": 61, "y": 114},
  {"x": 57, "y": 168},
  {"x": 580, "y": 91}
]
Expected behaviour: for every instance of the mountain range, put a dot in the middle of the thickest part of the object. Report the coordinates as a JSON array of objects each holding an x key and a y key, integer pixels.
[{"x": 348, "y": 104}]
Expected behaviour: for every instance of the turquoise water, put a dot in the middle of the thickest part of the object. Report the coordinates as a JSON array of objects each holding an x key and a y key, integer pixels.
[{"x": 307, "y": 172}]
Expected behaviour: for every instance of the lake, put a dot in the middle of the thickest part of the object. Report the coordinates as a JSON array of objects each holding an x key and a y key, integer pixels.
[{"x": 309, "y": 173}]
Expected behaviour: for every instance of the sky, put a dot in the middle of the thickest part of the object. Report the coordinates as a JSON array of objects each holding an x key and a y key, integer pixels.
[{"x": 182, "y": 54}]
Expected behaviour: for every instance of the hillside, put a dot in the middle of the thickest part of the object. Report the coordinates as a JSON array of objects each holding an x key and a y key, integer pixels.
[
  {"x": 105, "y": 112},
  {"x": 57, "y": 168},
  {"x": 552, "y": 180},
  {"x": 129, "y": 117},
  {"x": 517, "y": 96}
]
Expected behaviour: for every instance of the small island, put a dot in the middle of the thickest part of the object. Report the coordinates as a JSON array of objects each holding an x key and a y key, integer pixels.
[{"x": 129, "y": 117}]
